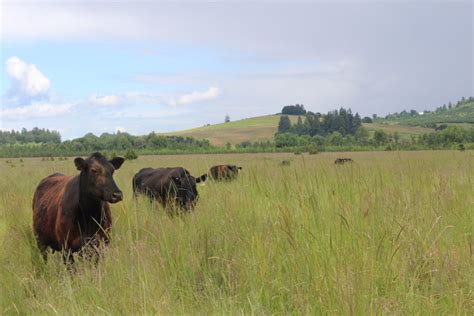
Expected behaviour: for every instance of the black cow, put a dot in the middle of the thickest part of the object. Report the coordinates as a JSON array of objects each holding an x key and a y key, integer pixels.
[
  {"x": 70, "y": 212},
  {"x": 224, "y": 172},
  {"x": 341, "y": 161},
  {"x": 169, "y": 186},
  {"x": 285, "y": 163}
]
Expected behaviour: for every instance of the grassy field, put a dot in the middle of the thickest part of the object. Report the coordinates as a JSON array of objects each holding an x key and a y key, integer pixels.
[
  {"x": 403, "y": 131},
  {"x": 263, "y": 128},
  {"x": 391, "y": 233}
]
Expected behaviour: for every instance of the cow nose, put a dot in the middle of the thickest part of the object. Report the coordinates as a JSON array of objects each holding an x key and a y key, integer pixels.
[{"x": 117, "y": 196}]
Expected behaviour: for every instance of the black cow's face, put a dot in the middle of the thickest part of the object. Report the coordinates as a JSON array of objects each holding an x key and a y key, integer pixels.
[
  {"x": 233, "y": 170},
  {"x": 186, "y": 192},
  {"x": 97, "y": 177}
]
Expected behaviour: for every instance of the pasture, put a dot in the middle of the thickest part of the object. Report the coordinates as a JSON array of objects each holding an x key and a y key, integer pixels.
[{"x": 391, "y": 233}]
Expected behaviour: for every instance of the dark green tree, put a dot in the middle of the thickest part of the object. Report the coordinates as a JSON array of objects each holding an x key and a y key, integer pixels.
[
  {"x": 367, "y": 119},
  {"x": 299, "y": 127},
  {"x": 284, "y": 126}
]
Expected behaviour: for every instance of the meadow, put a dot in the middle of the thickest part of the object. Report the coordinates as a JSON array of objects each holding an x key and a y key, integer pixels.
[{"x": 391, "y": 233}]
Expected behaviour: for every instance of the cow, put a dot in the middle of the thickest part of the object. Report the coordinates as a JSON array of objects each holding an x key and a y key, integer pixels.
[
  {"x": 341, "y": 161},
  {"x": 169, "y": 186},
  {"x": 72, "y": 212},
  {"x": 285, "y": 163},
  {"x": 224, "y": 172}
]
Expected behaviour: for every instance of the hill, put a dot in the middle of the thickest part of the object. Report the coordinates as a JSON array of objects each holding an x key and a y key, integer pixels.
[
  {"x": 263, "y": 128},
  {"x": 459, "y": 114},
  {"x": 259, "y": 128}
]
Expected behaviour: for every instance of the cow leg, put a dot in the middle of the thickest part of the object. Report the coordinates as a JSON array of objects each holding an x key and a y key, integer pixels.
[
  {"x": 92, "y": 249},
  {"x": 43, "y": 250},
  {"x": 68, "y": 259}
]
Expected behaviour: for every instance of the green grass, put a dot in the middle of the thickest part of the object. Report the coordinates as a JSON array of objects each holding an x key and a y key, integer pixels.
[
  {"x": 391, "y": 233},
  {"x": 403, "y": 131}
]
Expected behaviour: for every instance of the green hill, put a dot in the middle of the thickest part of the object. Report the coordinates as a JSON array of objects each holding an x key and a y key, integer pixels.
[
  {"x": 460, "y": 114},
  {"x": 259, "y": 128},
  {"x": 263, "y": 128}
]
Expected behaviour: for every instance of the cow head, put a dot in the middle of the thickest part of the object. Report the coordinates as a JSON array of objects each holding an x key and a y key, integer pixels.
[
  {"x": 233, "y": 171},
  {"x": 234, "y": 168},
  {"x": 96, "y": 178},
  {"x": 186, "y": 192}
]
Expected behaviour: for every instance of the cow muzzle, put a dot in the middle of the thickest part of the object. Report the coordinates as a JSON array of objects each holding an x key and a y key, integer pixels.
[{"x": 116, "y": 197}]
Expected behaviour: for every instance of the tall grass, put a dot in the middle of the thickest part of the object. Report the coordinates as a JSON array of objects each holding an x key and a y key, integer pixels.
[{"x": 390, "y": 233}]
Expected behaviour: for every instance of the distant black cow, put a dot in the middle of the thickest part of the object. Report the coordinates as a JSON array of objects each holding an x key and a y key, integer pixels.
[
  {"x": 168, "y": 186},
  {"x": 285, "y": 163},
  {"x": 341, "y": 161},
  {"x": 70, "y": 212},
  {"x": 224, "y": 172}
]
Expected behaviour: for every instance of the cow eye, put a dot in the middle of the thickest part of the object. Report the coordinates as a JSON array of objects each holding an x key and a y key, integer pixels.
[{"x": 94, "y": 170}]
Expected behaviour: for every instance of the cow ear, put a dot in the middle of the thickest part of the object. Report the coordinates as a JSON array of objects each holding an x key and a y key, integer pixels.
[
  {"x": 117, "y": 162},
  {"x": 201, "y": 178},
  {"x": 80, "y": 163}
]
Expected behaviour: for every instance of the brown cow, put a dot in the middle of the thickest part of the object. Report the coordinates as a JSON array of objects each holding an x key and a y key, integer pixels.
[
  {"x": 70, "y": 212},
  {"x": 224, "y": 172}
]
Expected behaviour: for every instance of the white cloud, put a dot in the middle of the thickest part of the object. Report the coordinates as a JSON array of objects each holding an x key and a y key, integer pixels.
[
  {"x": 28, "y": 96},
  {"x": 35, "y": 110},
  {"x": 133, "y": 98},
  {"x": 27, "y": 80},
  {"x": 196, "y": 96},
  {"x": 105, "y": 100}
]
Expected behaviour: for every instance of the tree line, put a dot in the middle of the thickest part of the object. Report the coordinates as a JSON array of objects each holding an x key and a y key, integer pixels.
[
  {"x": 439, "y": 110},
  {"x": 341, "y": 121},
  {"x": 112, "y": 143},
  {"x": 36, "y": 135}
]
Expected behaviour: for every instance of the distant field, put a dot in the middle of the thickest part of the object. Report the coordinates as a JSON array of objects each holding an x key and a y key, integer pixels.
[
  {"x": 404, "y": 131},
  {"x": 391, "y": 233},
  {"x": 460, "y": 114},
  {"x": 264, "y": 128}
]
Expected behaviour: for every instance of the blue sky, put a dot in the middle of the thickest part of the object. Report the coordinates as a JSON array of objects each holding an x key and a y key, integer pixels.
[{"x": 142, "y": 66}]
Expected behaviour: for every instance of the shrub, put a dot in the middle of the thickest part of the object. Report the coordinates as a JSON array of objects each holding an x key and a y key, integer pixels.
[{"x": 130, "y": 155}]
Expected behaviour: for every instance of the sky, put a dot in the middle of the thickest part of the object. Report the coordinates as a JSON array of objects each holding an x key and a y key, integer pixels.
[{"x": 142, "y": 66}]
